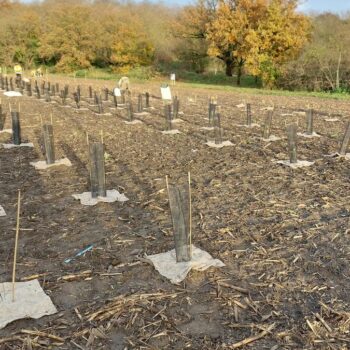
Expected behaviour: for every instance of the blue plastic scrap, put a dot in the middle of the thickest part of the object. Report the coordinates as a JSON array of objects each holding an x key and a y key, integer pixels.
[{"x": 82, "y": 252}]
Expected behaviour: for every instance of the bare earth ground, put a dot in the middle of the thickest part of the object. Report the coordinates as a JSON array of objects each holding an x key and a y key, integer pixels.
[{"x": 282, "y": 233}]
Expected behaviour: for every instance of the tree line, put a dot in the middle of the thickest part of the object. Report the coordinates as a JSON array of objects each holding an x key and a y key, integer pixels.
[{"x": 268, "y": 39}]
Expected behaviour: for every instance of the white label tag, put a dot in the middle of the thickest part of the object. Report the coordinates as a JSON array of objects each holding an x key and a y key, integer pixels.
[
  {"x": 166, "y": 93},
  {"x": 117, "y": 92}
]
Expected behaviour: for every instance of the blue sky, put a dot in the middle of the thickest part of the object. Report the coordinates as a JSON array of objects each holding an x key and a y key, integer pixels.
[{"x": 339, "y": 6}]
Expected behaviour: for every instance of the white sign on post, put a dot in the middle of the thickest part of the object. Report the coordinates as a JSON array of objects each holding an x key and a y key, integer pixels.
[
  {"x": 165, "y": 92},
  {"x": 117, "y": 92}
]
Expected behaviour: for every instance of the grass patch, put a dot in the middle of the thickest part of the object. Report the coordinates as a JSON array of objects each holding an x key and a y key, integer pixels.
[
  {"x": 139, "y": 74},
  {"x": 208, "y": 81},
  {"x": 217, "y": 79},
  {"x": 259, "y": 91}
]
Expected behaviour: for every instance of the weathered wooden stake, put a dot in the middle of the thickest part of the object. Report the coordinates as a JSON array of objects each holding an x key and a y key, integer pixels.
[
  {"x": 43, "y": 87},
  {"x": 249, "y": 115},
  {"x": 147, "y": 100},
  {"x": 130, "y": 111},
  {"x": 267, "y": 125},
  {"x": 122, "y": 92},
  {"x": 176, "y": 107},
  {"x": 217, "y": 128},
  {"x": 179, "y": 200},
  {"x": 90, "y": 92},
  {"x": 167, "y": 114},
  {"x": 100, "y": 105},
  {"x": 63, "y": 97},
  {"x": 11, "y": 84},
  {"x": 139, "y": 104},
  {"x": 2, "y": 118},
  {"x": 115, "y": 101},
  {"x": 309, "y": 122},
  {"x": 47, "y": 95},
  {"x": 37, "y": 90},
  {"x": 16, "y": 128},
  {"x": 29, "y": 89},
  {"x": 292, "y": 142},
  {"x": 49, "y": 143},
  {"x": 345, "y": 142},
  {"x": 21, "y": 87},
  {"x": 97, "y": 170},
  {"x": 76, "y": 99},
  {"x": 212, "y": 109},
  {"x": 95, "y": 98},
  {"x": 106, "y": 91}
]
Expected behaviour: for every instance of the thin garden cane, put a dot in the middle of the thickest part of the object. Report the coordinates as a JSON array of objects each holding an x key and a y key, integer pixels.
[
  {"x": 16, "y": 246},
  {"x": 102, "y": 139},
  {"x": 190, "y": 211}
]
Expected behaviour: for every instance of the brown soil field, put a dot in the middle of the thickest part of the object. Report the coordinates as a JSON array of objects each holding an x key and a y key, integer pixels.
[{"x": 283, "y": 234}]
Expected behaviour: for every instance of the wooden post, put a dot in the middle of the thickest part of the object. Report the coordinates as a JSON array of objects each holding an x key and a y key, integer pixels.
[
  {"x": 95, "y": 98},
  {"x": 292, "y": 142},
  {"x": 79, "y": 92},
  {"x": 29, "y": 89},
  {"x": 139, "y": 104},
  {"x": 21, "y": 87},
  {"x": 147, "y": 100},
  {"x": 115, "y": 101},
  {"x": 310, "y": 122},
  {"x": 267, "y": 125},
  {"x": 100, "y": 105},
  {"x": 90, "y": 92},
  {"x": 106, "y": 91},
  {"x": 7, "y": 84},
  {"x": 16, "y": 128},
  {"x": 212, "y": 110},
  {"x": 49, "y": 143},
  {"x": 57, "y": 87},
  {"x": 176, "y": 107},
  {"x": 63, "y": 97},
  {"x": 249, "y": 115},
  {"x": 217, "y": 128},
  {"x": 122, "y": 92},
  {"x": 97, "y": 170},
  {"x": 47, "y": 95},
  {"x": 167, "y": 114},
  {"x": 130, "y": 111},
  {"x": 179, "y": 200},
  {"x": 11, "y": 84},
  {"x": 345, "y": 142},
  {"x": 18, "y": 81},
  {"x": 76, "y": 99},
  {"x": 37, "y": 92},
  {"x": 2, "y": 118}
]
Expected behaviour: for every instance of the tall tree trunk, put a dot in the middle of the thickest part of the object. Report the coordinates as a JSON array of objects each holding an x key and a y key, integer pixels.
[
  {"x": 229, "y": 67},
  {"x": 239, "y": 75}
]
